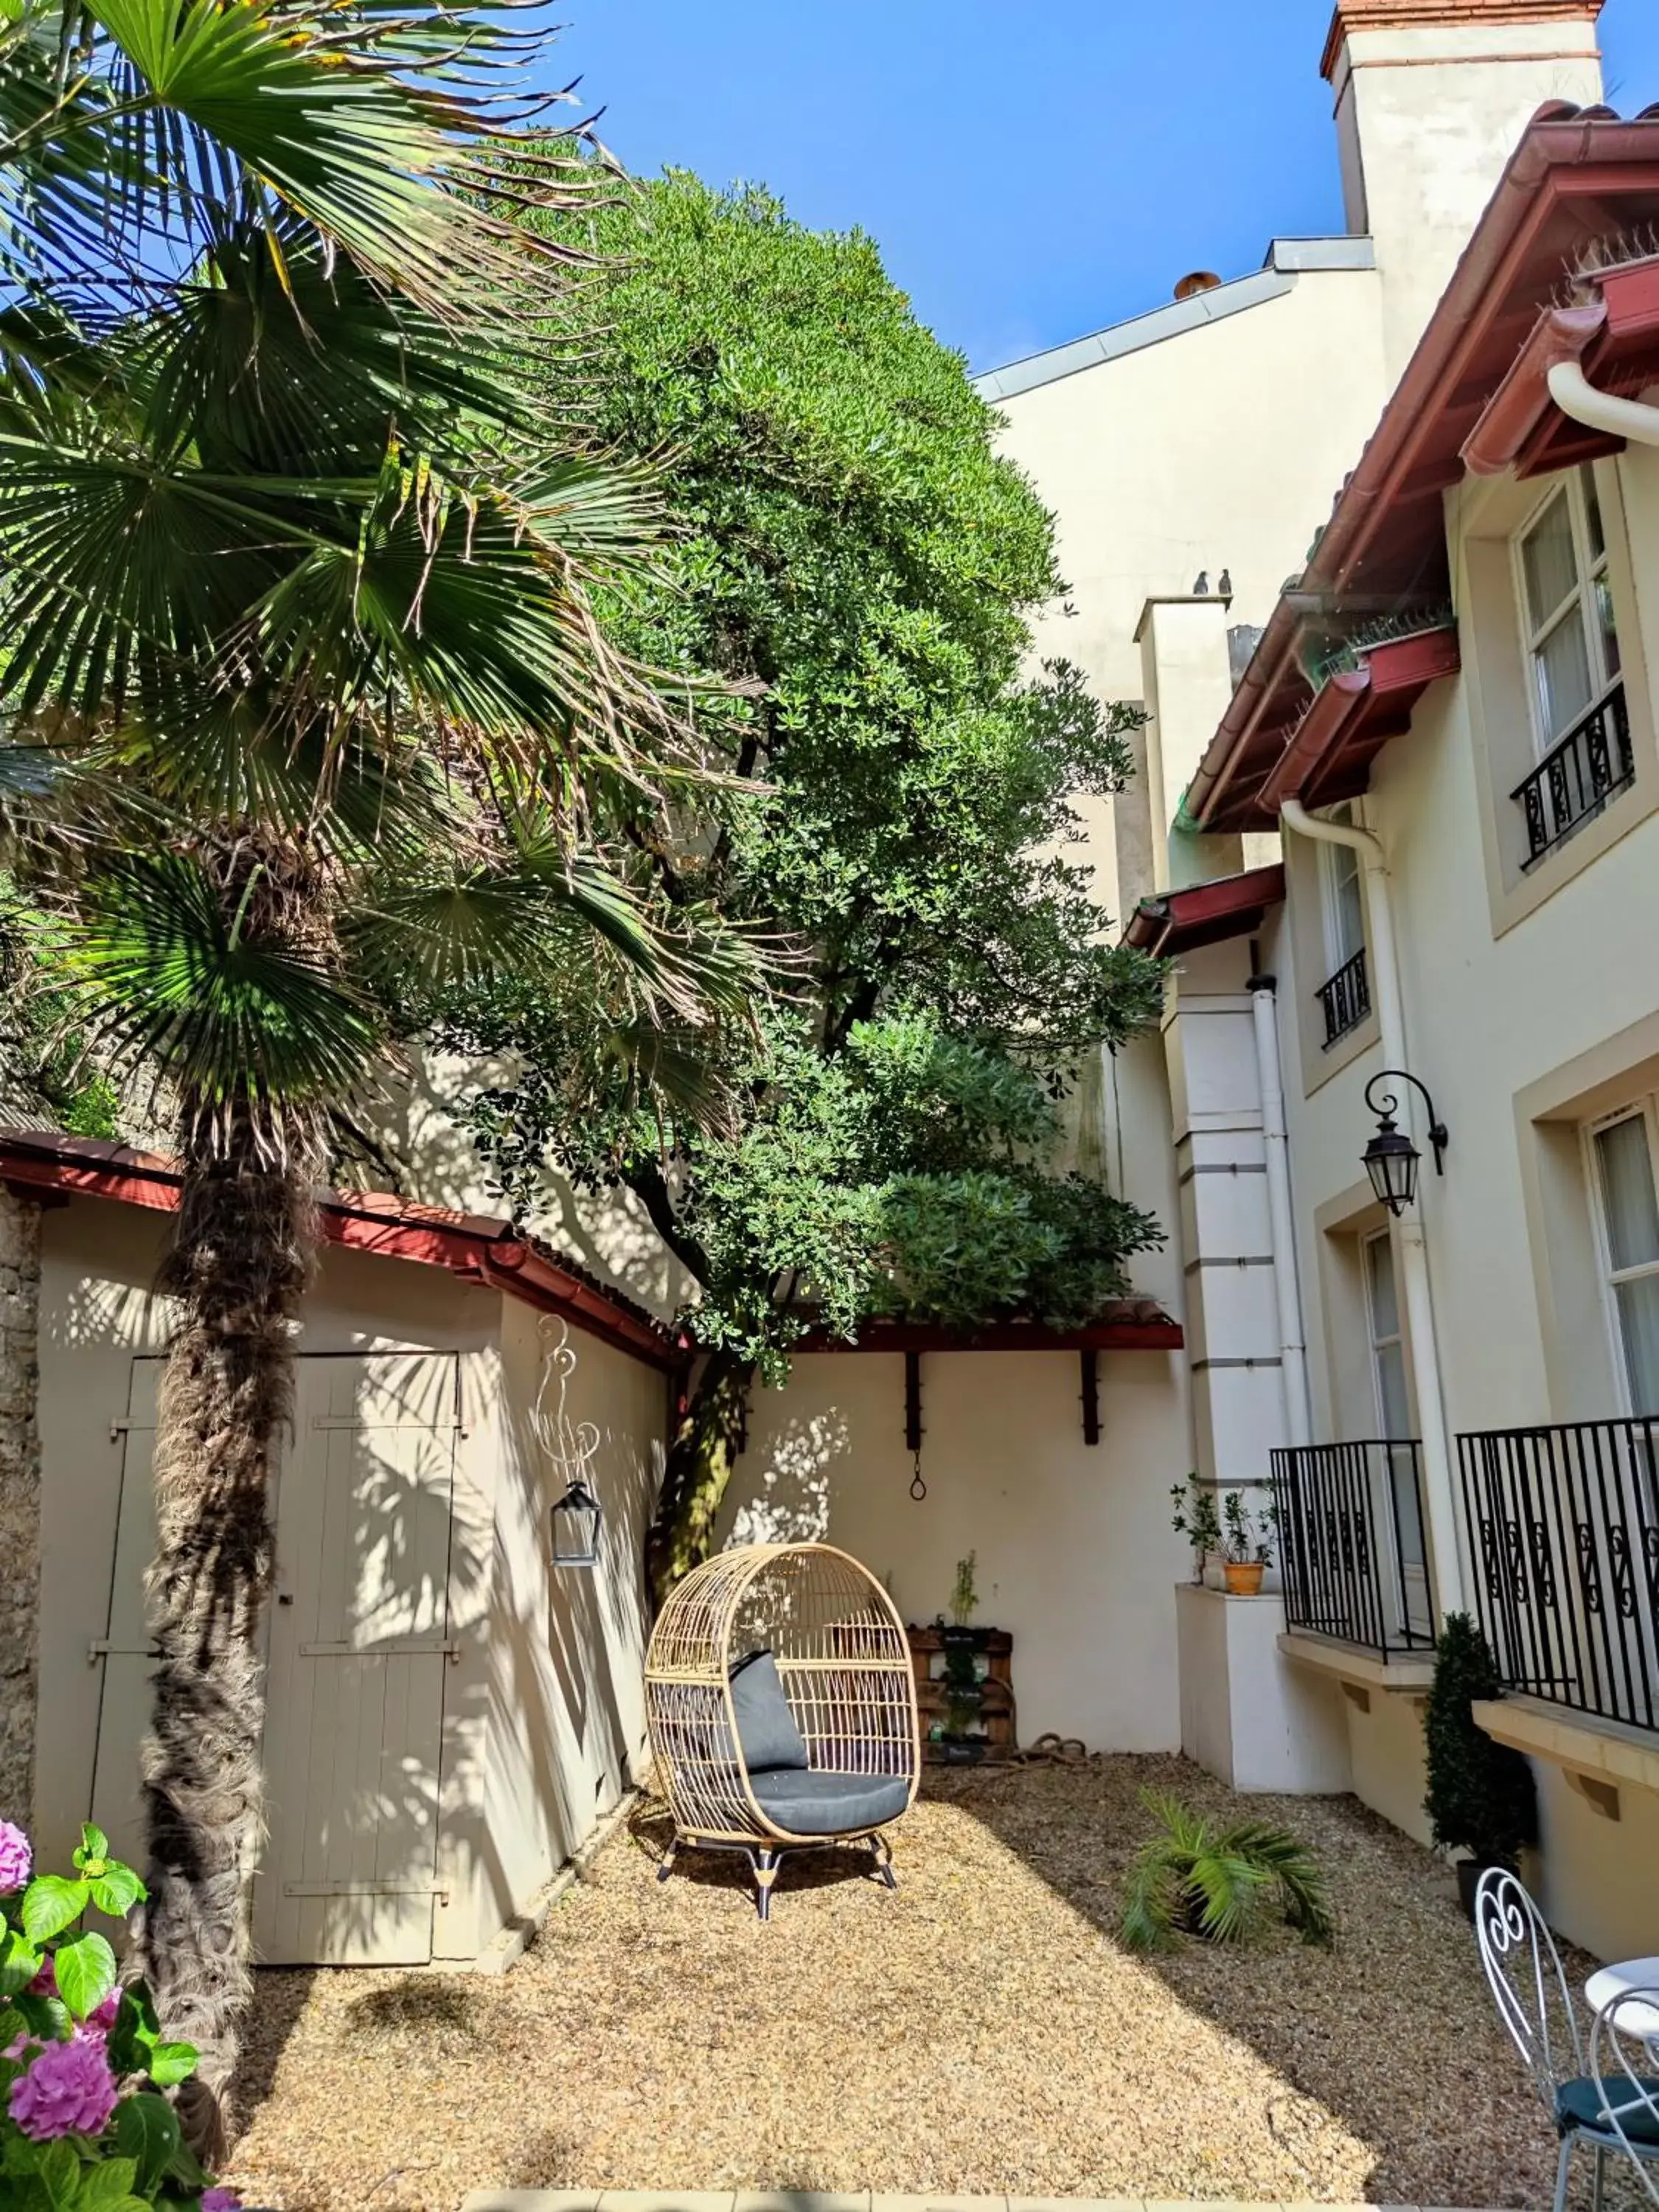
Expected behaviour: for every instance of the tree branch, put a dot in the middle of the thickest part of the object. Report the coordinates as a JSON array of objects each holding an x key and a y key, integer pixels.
[{"x": 645, "y": 1178}]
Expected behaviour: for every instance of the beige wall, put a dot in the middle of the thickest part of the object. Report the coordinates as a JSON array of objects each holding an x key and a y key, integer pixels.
[
  {"x": 1426, "y": 118},
  {"x": 542, "y": 1713},
  {"x": 1076, "y": 1556}
]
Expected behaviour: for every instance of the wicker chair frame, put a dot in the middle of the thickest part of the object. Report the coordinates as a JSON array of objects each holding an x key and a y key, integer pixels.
[{"x": 844, "y": 1661}]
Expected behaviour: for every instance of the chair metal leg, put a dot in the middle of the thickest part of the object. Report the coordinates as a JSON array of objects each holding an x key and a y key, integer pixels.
[
  {"x": 883, "y": 1853},
  {"x": 765, "y": 1862},
  {"x": 1600, "y": 2176},
  {"x": 1561, "y": 2173},
  {"x": 667, "y": 1866}
]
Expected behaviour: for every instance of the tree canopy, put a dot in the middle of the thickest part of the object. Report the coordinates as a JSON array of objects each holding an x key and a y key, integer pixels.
[{"x": 858, "y": 562}]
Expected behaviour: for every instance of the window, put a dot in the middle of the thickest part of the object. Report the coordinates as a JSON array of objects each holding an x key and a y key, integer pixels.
[
  {"x": 1345, "y": 993},
  {"x": 1623, "y": 1149},
  {"x": 1393, "y": 1403},
  {"x": 1572, "y": 637},
  {"x": 1580, "y": 727}
]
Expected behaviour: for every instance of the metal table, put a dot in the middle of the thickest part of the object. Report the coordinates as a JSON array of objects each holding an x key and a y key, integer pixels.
[{"x": 1638, "y": 2018}]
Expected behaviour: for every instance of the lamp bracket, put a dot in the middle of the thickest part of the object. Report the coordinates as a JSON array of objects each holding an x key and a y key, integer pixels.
[{"x": 1387, "y": 1105}]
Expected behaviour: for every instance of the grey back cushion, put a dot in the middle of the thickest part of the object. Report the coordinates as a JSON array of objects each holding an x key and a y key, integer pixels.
[{"x": 766, "y": 1727}]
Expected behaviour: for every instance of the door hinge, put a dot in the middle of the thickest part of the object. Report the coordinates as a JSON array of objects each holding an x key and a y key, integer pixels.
[
  {"x": 410, "y": 1651},
  {"x": 366, "y": 1889}
]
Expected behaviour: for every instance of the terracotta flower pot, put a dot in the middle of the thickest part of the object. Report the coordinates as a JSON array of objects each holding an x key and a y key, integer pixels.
[{"x": 1243, "y": 1577}]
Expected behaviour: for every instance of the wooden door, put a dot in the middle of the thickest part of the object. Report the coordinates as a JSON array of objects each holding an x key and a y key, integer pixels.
[
  {"x": 123, "y": 1652},
  {"x": 359, "y": 1648}
]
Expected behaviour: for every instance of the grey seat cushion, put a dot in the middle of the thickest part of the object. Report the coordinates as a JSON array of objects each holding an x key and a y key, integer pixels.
[
  {"x": 766, "y": 1727},
  {"x": 817, "y": 1804}
]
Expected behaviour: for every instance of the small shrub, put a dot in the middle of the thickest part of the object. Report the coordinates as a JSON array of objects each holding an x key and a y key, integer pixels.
[
  {"x": 964, "y": 1591},
  {"x": 1195, "y": 1518},
  {"x": 1192, "y": 1880},
  {"x": 1481, "y": 1798},
  {"x": 85, "y": 2125}
]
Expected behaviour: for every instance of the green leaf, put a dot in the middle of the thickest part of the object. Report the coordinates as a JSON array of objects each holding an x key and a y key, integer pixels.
[
  {"x": 173, "y": 2062},
  {"x": 50, "y": 1904},
  {"x": 116, "y": 1890},
  {"x": 147, "y": 2132},
  {"x": 59, "y": 2173},
  {"x": 94, "y": 1844},
  {"x": 86, "y": 1972},
  {"x": 45, "y": 2016},
  {"x": 136, "y": 2031},
  {"x": 20, "y": 1962},
  {"x": 109, "y": 2185}
]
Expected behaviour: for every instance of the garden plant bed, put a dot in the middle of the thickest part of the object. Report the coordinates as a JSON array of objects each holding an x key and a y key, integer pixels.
[{"x": 982, "y": 2031}]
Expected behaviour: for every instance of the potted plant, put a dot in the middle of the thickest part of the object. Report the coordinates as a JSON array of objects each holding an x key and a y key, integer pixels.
[
  {"x": 1246, "y": 1553},
  {"x": 1193, "y": 1879},
  {"x": 1196, "y": 1519},
  {"x": 1481, "y": 1800},
  {"x": 963, "y": 1667}
]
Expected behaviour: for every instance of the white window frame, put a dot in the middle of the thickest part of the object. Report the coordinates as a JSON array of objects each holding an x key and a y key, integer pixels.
[
  {"x": 1580, "y": 603},
  {"x": 1375, "y": 1341},
  {"x": 1609, "y": 1277},
  {"x": 1338, "y": 952}
]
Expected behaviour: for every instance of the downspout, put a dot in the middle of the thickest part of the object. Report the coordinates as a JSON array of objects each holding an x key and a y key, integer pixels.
[
  {"x": 1580, "y": 401},
  {"x": 1292, "y": 1340},
  {"x": 1414, "y": 1253}
]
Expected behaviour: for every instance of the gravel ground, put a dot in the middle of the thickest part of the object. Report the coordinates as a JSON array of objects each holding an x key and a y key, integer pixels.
[{"x": 980, "y": 2030}]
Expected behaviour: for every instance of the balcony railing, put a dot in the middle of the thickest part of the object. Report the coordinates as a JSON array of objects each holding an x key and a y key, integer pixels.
[
  {"x": 1576, "y": 777},
  {"x": 1351, "y": 1544},
  {"x": 1563, "y": 1527},
  {"x": 1346, "y": 999}
]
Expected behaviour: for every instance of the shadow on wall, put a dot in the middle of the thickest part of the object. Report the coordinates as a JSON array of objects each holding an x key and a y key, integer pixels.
[{"x": 792, "y": 1497}]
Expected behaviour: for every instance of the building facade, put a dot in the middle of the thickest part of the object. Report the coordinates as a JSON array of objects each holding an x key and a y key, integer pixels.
[{"x": 1396, "y": 837}]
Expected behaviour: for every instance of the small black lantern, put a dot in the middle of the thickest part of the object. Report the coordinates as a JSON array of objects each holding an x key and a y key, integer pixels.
[
  {"x": 576, "y": 1519},
  {"x": 1391, "y": 1158}
]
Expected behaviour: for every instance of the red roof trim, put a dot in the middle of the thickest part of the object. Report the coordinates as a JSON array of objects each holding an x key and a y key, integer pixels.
[
  {"x": 1205, "y": 914},
  {"x": 474, "y": 1248},
  {"x": 1575, "y": 179},
  {"x": 1150, "y": 1330},
  {"x": 1357, "y": 712}
]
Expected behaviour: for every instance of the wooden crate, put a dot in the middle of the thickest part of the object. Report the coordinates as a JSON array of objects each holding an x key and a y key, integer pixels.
[{"x": 997, "y": 1712}]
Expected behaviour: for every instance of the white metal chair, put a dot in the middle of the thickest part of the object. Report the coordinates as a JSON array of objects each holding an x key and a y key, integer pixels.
[
  {"x": 1529, "y": 1988},
  {"x": 1624, "y": 2062}
]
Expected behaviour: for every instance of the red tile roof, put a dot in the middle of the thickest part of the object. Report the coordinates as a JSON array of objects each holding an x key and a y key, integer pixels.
[
  {"x": 1579, "y": 180},
  {"x": 475, "y": 1248}
]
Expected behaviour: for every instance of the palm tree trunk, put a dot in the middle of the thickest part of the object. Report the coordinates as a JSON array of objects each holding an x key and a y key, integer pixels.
[
  {"x": 239, "y": 1267},
  {"x": 19, "y": 1503},
  {"x": 701, "y": 1461}
]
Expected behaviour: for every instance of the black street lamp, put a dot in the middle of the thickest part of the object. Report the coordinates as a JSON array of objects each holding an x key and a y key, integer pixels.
[
  {"x": 576, "y": 1519},
  {"x": 1391, "y": 1158}
]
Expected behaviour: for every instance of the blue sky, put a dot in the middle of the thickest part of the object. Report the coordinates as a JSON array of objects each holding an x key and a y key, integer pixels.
[{"x": 1032, "y": 168}]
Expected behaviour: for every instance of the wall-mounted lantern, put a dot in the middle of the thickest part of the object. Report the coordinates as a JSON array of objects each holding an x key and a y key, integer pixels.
[
  {"x": 576, "y": 1521},
  {"x": 1391, "y": 1158},
  {"x": 570, "y": 1448}
]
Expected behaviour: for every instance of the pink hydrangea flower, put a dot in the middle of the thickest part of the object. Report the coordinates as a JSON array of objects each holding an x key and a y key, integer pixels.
[
  {"x": 16, "y": 1860},
  {"x": 102, "y": 2019},
  {"x": 68, "y": 2091},
  {"x": 221, "y": 2200},
  {"x": 44, "y": 1984}
]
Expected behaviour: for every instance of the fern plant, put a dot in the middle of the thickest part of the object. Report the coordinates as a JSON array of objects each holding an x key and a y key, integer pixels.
[{"x": 1191, "y": 1879}]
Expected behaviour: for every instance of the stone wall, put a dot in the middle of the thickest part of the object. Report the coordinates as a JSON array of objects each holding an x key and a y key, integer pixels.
[{"x": 19, "y": 1500}]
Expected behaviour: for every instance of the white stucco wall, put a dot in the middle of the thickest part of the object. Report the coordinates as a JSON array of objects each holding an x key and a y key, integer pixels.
[{"x": 1076, "y": 1556}]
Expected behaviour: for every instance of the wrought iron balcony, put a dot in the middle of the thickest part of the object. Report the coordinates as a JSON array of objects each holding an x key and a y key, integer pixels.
[
  {"x": 1576, "y": 777},
  {"x": 1564, "y": 1527},
  {"x": 1351, "y": 1544},
  {"x": 1346, "y": 999}
]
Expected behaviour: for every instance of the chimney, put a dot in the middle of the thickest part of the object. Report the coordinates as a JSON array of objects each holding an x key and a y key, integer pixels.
[{"x": 1431, "y": 98}]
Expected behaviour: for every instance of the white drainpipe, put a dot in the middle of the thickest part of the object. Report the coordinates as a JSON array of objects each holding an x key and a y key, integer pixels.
[
  {"x": 1292, "y": 1340},
  {"x": 1579, "y": 400},
  {"x": 1414, "y": 1253}
]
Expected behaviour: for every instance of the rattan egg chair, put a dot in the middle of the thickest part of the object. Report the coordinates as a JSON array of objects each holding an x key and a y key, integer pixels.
[{"x": 782, "y": 1708}]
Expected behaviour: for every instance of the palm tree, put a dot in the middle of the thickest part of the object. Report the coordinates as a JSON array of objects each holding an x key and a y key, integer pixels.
[{"x": 299, "y": 634}]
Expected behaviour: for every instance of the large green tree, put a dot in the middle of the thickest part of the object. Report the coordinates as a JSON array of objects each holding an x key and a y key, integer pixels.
[
  {"x": 859, "y": 565},
  {"x": 311, "y": 716}
]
